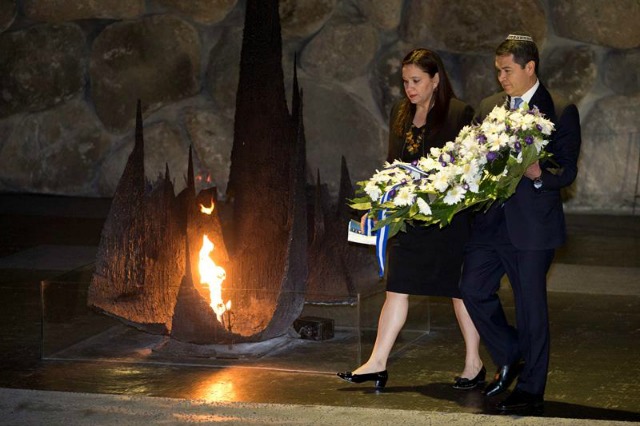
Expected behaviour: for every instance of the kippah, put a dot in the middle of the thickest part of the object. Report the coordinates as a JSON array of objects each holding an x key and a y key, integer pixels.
[{"x": 519, "y": 37}]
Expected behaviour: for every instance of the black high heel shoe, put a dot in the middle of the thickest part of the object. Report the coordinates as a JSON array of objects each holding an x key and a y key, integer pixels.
[
  {"x": 380, "y": 378},
  {"x": 464, "y": 383}
]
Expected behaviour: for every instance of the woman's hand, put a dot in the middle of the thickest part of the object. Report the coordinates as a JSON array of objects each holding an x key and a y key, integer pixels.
[{"x": 363, "y": 219}]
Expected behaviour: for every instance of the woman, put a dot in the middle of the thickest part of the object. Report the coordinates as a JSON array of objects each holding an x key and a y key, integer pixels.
[{"x": 424, "y": 260}]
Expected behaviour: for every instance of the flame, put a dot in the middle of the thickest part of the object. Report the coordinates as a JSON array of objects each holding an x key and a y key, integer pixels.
[
  {"x": 201, "y": 178},
  {"x": 207, "y": 210},
  {"x": 212, "y": 275}
]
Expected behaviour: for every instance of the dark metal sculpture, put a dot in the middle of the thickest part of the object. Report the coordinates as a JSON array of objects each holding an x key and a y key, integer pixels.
[
  {"x": 137, "y": 268},
  {"x": 147, "y": 268}
]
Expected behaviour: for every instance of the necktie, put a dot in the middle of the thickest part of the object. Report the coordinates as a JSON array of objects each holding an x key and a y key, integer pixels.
[{"x": 517, "y": 102}]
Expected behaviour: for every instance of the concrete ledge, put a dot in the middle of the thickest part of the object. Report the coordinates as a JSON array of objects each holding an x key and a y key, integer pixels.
[
  {"x": 50, "y": 257},
  {"x": 587, "y": 279},
  {"x": 30, "y": 407}
]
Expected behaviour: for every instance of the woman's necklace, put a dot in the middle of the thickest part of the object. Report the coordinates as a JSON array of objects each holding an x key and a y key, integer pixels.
[{"x": 414, "y": 138}]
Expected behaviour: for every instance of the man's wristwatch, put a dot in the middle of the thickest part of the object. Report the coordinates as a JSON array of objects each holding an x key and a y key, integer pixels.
[{"x": 537, "y": 182}]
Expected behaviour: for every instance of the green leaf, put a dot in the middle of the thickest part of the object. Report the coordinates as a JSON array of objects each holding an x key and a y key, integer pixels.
[
  {"x": 396, "y": 227},
  {"x": 361, "y": 206},
  {"x": 443, "y": 212},
  {"x": 414, "y": 210}
]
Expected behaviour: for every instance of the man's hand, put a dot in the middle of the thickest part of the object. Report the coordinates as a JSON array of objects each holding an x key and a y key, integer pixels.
[{"x": 533, "y": 171}]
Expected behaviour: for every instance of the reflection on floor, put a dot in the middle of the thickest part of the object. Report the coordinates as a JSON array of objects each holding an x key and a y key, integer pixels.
[{"x": 595, "y": 317}]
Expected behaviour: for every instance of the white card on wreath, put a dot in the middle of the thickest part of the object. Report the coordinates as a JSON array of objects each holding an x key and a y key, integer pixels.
[{"x": 355, "y": 234}]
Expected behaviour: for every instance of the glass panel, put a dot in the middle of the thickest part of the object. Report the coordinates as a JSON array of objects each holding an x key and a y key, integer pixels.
[
  {"x": 357, "y": 330},
  {"x": 66, "y": 318},
  {"x": 71, "y": 330}
]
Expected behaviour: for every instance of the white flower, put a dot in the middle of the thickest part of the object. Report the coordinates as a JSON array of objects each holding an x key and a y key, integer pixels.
[
  {"x": 398, "y": 176},
  {"x": 449, "y": 146},
  {"x": 423, "y": 207},
  {"x": 547, "y": 126},
  {"x": 539, "y": 144},
  {"x": 372, "y": 190},
  {"x": 466, "y": 132},
  {"x": 440, "y": 181},
  {"x": 469, "y": 171},
  {"x": 424, "y": 185},
  {"x": 516, "y": 117},
  {"x": 524, "y": 122},
  {"x": 454, "y": 195},
  {"x": 435, "y": 152},
  {"x": 379, "y": 178},
  {"x": 499, "y": 113},
  {"x": 468, "y": 145},
  {"x": 474, "y": 183},
  {"x": 497, "y": 141},
  {"x": 489, "y": 127},
  {"x": 428, "y": 164},
  {"x": 404, "y": 196},
  {"x": 450, "y": 172},
  {"x": 384, "y": 175}
]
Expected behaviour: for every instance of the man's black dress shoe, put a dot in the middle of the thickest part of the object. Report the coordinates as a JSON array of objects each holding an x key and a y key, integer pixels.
[
  {"x": 520, "y": 400},
  {"x": 504, "y": 377},
  {"x": 464, "y": 383},
  {"x": 380, "y": 378}
]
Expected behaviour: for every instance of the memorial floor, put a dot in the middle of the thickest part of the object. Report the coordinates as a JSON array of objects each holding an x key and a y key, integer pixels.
[{"x": 58, "y": 369}]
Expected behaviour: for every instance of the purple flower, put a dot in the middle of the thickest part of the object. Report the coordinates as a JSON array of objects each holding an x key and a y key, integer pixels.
[
  {"x": 528, "y": 140},
  {"x": 491, "y": 156},
  {"x": 482, "y": 139},
  {"x": 414, "y": 163},
  {"x": 444, "y": 162},
  {"x": 539, "y": 127},
  {"x": 508, "y": 128},
  {"x": 517, "y": 146}
]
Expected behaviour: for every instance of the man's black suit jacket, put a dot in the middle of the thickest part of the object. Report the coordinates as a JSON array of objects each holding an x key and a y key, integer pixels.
[{"x": 535, "y": 218}]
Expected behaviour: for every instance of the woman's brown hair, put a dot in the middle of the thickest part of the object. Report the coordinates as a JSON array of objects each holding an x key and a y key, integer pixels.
[{"x": 429, "y": 62}]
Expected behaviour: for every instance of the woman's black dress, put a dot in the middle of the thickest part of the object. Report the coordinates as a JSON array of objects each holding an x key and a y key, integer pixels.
[{"x": 427, "y": 260}]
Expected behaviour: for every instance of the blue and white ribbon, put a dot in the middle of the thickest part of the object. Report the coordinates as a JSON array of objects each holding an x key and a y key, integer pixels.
[
  {"x": 368, "y": 225},
  {"x": 381, "y": 236},
  {"x": 411, "y": 168}
]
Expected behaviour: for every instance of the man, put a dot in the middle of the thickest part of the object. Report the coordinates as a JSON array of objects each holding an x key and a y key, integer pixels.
[{"x": 519, "y": 237}]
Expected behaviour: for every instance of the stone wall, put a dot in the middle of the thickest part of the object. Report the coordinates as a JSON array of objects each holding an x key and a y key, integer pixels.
[{"x": 71, "y": 72}]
